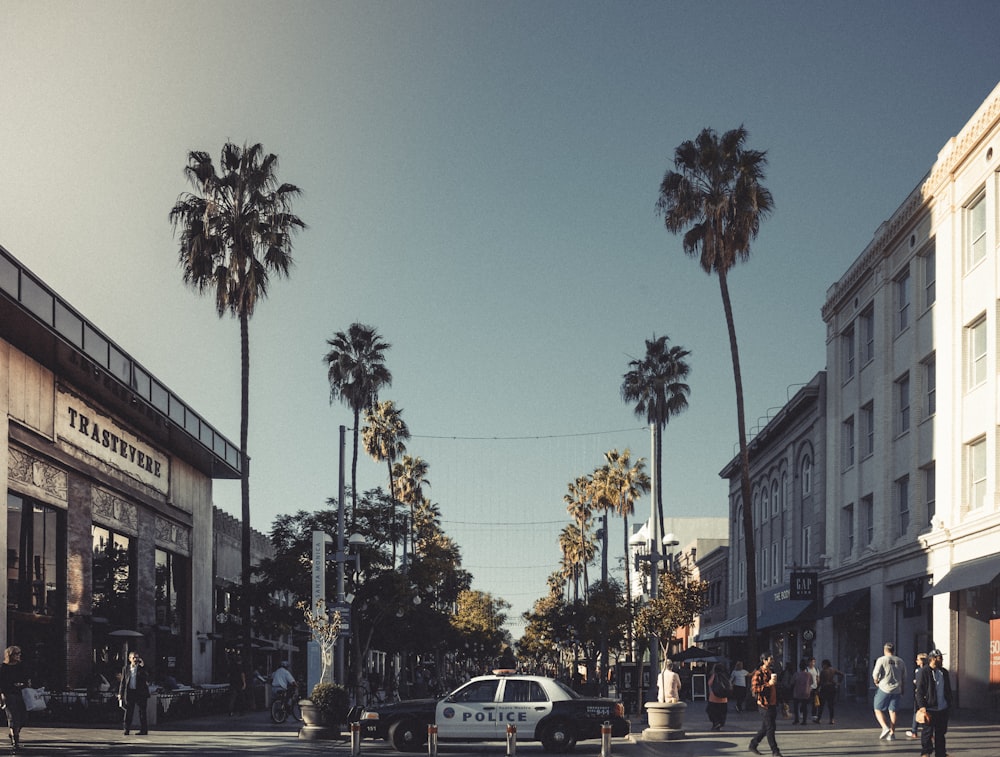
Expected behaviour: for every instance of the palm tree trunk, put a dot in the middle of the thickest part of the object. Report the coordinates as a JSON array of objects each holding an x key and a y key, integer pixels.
[
  {"x": 354, "y": 470},
  {"x": 392, "y": 508},
  {"x": 628, "y": 591},
  {"x": 658, "y": 443},
  {"x": 745, "y": 488},
  {"x": 245, "y": 532}
]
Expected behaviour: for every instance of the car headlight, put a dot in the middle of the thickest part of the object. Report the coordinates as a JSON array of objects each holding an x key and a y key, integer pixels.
[{"x": 369, "y": 715}]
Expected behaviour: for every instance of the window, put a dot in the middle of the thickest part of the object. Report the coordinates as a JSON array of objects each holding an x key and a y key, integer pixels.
[
  {"x": 977, "y": 353},
  {"x": 903, "y": 504},
  {"x": 762, "y": 567},
  {"x": 848, "y": 533},
  {"x": 765, "y": 502},
  {"x": 36, "y": 564},
  {"x": 930, "y": 278},
  {"x": 847, "y": 343},
  {"x": 868, "y": 335},
  {"x": 903, "y": 301},
  {"x": 807, "y": 470},
  {"x": 930, "y": 484},
  {"x": 171, "y": 591},
  {"x": 868, "y": 513},
  {"x": 977, "y": 474},
  {"x": 775, "y": 565},
  {"x": 903, "y": 404},
  {"x": 784, "y": 493},
  {"x": 930, "y": 385},
  {"x": 849, "y": 442},
  {"x": 868, "y": 430},
  {"x": 112, "y": 578},
  {"x": 806, "y": 547},
  {"x": 775, "y": 498},
  {"x": 975, "y": 215}
]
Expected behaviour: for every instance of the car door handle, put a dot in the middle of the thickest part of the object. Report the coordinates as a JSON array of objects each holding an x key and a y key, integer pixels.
[
  {"x": 540, "y": 708},
  {"x": 489, "y": 708}
]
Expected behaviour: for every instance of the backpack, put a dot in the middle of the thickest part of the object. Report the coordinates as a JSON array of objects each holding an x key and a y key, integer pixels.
[{"x": 722, "y": 687}]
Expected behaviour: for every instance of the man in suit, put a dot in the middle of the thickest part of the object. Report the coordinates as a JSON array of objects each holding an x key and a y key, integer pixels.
[{"x": 133, "y": 691}]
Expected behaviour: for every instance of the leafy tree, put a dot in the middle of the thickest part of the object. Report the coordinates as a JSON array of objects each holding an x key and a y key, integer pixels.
[
  {"x": 716, "y": 197},
  {"x": 680, "y": 599},
  {"x": 236, "y": 232},
  {"x": 479, "y": 620},
  {"x": 357, "y": 372},
  {"x": 656, "y": 384}
]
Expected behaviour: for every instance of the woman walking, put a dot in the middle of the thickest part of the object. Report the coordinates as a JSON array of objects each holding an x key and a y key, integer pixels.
[
  {"x": 13, "y": 678},
  {"x": 719, "y": 689},
  {"x": 801, "y": 693},
  {"x": 829, "y": 682}
]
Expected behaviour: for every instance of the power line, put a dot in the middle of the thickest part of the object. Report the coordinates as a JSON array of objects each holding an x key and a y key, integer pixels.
[{"x": 527, "y": 438}]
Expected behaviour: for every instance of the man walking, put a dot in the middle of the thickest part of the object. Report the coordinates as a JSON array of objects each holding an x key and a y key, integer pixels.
[
  {"x": 764, "y": 686},
  {"x": 133, "y": 692},
  {"x": 934, "y": 695},
  {"x": 888, "y": 674}
]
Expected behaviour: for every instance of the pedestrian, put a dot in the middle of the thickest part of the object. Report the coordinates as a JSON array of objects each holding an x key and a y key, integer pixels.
[
  {"x": 801, "y": 693},
  {"x": 934, "y": 697},
  {"x": 814, "y": 674},
  {"x": 133, "y": 692},
  {"x": 829, "y": 682},
  {"x": 764, "y": 686},
  {"x": 237, "y": 678},
  {"x": 922, "y": 662},
  {"x": 719, "y": 689},
  {"x": 786, "y": 672},
  {"x": 739, "y": 679},
  {"x": 888, "y": 674},
  {"x": 13, "y": 679},
  {"x": 668, "y": 683}
]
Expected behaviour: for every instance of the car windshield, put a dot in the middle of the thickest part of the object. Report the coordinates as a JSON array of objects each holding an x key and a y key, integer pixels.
[{"x": 569, "y": 692}]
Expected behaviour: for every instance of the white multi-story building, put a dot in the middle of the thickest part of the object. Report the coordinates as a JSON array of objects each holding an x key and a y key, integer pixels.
[{"x": 913, "y": 521}]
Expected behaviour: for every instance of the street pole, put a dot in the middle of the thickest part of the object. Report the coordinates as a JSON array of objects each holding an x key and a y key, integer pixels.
[
  {"x": 654, "y": 577},
  {"x": 339, "y": 660}
]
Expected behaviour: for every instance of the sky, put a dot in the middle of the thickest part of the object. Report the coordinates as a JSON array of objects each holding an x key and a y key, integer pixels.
[{"x": 479, "y": 181}]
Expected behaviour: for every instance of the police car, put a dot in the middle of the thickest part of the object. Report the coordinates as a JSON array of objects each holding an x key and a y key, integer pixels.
[{"x": 541, "y": 709}]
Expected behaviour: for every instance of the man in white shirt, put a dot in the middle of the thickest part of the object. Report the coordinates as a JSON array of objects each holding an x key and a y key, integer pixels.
[
  {"x": 282, "y": 678},
  {"x": 888, "y": 674}
]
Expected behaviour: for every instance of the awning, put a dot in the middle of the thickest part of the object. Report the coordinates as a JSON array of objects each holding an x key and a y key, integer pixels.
[
  {"x": 734, "y": 627},
  {"x": 845, "y": 603},
  {"x": 965, "y": 575},
  {"x": 785, "y": 611}
]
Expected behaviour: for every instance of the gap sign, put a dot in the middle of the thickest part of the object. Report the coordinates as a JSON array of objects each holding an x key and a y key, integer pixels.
[{"x": 803, "y": 585}]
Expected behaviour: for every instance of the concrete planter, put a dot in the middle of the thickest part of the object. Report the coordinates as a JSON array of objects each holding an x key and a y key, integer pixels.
[
  {"x": 666, "y": 721},
  {"x": 317, "y": 724}
]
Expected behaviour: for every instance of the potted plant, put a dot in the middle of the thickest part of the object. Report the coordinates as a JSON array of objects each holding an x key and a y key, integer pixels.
[
  {"x": 326, "y": 709},
  {"x": 328, "y": 704}
]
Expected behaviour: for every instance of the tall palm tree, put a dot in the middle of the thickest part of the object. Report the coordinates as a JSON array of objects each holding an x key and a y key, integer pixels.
[
  {"x": 385, "y": 437},
  {"x": 715, "y": 195},
  {"x": 619, "y": 484},
  {"x": 655, "y": 383},
  {"x": 411, "y": 477},
  {"x": 236, "y": 231},
  {"x": 357, "y": 372},
  {"x": 579, "y": 504}
]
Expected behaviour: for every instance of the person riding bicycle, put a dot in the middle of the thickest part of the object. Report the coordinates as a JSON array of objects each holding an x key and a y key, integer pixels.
[{"x": 283, "y": 680}]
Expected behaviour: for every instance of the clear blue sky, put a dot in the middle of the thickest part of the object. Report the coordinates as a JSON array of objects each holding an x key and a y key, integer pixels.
[{"x": 479, "y": 179}]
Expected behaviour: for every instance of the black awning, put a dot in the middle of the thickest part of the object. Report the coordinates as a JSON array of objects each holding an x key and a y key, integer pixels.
[
  {"x": 844, "y": 603},
  {"x": 965, "y": 575},
  {"x": 783, "y": 612}
]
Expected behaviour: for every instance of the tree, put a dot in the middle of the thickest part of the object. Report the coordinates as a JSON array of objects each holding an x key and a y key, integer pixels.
[
  {"x": 678, "y": 602},
  {"x": 578, "y": 499},
  {"x": 236, "y": 232},
  {"x": 618, "y": 484},
  {"x": 716, "y": 194},
  {"x": 385, "y": 438},
  {"x": 656, "y": 384},
  {"x": 357, "y": 372},
  {"x": 411, "y": 476}
]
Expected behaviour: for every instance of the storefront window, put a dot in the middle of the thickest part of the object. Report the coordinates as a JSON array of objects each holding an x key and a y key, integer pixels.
[
  {"x": 113, "y": 598},
  {"x": 171, "y": 583}
]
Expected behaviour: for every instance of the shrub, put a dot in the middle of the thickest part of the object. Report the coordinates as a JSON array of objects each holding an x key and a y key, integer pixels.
[{"x": 332, "y": 701}]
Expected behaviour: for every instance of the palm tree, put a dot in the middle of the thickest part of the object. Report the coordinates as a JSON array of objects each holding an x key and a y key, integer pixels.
[
  {"x": 411, "y": 476},
  {"x": 716, "y": 194},
  {"x": 619, "y": 484},
  {"x": 385, "y": 439},
  {"x": 356, "y": 371},
  {"x": 236, "y": 231},
  {"x": 579, "y": 504},
  {"x": 656, "y": 384}
]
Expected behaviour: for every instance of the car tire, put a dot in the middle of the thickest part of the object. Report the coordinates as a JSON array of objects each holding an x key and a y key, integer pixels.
[
  {"x": 407, "y": 735},
  {"x": 558, "y": 736}
]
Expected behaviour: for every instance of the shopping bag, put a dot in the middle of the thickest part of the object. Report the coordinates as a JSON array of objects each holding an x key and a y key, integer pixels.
[{"x": 33, "y": 700}]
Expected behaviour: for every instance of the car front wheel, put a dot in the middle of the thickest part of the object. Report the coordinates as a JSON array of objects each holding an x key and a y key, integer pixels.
[
  {"x": 558, "y": 736},
  {"x": 407, "y": 735}
]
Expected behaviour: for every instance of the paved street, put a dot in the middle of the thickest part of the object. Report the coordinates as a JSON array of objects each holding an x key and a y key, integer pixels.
[{"x": 854, "y": 734}]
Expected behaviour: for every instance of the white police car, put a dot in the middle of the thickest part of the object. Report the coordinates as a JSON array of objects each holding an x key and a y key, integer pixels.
[{"x": 540, "y": 708}]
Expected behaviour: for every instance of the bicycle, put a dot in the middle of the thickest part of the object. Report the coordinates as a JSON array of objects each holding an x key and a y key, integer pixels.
[{"x": 285, "y": 703}]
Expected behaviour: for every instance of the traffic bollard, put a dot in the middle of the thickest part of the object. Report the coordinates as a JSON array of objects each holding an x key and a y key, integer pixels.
[
  {"x": 511, "y": 740},
  {"x": 432, "y": 739},
  {"x": 355, "y": 739},
  {"x": 606, "y": 739}
]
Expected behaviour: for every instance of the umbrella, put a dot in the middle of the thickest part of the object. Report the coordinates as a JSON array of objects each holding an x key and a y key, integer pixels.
[
  {"x": 692, "y": 653},
  {"x": 126, "y": 634}
]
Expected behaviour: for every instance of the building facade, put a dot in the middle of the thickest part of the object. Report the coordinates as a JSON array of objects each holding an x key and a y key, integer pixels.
[
  {"x": 108, "y": 482},
  {"x": 912, "y": 487}
]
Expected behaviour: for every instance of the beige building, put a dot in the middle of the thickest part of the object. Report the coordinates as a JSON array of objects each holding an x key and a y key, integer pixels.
[{"x": 913, "y": 518}]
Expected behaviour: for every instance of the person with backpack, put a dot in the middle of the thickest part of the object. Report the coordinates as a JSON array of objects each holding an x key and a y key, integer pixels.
[
  {"x": 719, "y": 689},
  {"x": 888, "y": 674},
  {"x": 764, "y": 686}
]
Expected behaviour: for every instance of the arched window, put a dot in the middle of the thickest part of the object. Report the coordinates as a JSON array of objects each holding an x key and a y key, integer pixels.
[
  {"x": 775, "y": 498},
  {"x": 784, "y": 491},
  {"x": 807, "y": 474},
  {"x": 764, "y": 503}
]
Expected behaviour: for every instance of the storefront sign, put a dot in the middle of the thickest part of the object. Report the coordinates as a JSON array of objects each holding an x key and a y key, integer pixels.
[
  {"x": 97, "y": 435},
  {"x": 803, "y": 585},
  {"x": 995, "y": 652},
  {"x": 913, "y": 593}
]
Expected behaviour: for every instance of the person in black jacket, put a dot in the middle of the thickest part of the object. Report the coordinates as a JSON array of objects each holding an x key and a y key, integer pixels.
[
  {"x": 934, "y": 694},
  {"x": 13, "y": 678},
  {"x": 133, "y": 692}
]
